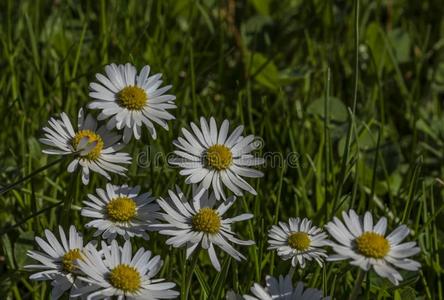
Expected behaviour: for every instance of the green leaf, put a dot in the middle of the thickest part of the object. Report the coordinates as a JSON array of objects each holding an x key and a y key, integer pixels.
[
  {"x": 338, "y": 110},
  {"x": 24, "y": 243},
  {"x": 6, "y": 248},
  {"x": 401, "y": 43},
  {"x": 438, "y": 78},
  {"x": 426, "y": 128},
  {"x": 408, "y": 293},
  {"x": 377, "y": 46},
  {"x": 263, "y": 69},
  {"x": 202, "y": 281},
  {"x": 261, "y": 6}
]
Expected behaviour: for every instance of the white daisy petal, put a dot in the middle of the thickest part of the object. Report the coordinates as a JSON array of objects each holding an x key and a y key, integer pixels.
[
  {"x": 298, "y": 241},
  {"x": 282, "y": 288},
  {"x": 58, "y": 263},
  {"x": 208, "y": 157},
  {"x": 129, "y": 100},
  {"x": 213, "y": 258},
  {"x": 400, "y": 233},
  {"x": 366, "y": 245},
  {"x": 124, "y": 211},
  {"x": 90, "y": 146},
  {"x": 196, "y": 222},
  {"x": 117, "y": 273}
]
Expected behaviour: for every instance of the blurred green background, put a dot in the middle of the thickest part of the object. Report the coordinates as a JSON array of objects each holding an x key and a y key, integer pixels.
[{"x": 273, "y": 65}]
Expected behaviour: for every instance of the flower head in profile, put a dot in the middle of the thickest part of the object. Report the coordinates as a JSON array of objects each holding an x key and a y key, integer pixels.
[
  {"x": 58, "y": 260},
  {"x": 368, "y": 246},
  {"x": 93, "y": 149},
  {"x": 130, "y": 100},
  {"x": 215, "y": 159},
  {"x": 299, "y": 241},
  {"x": 116, "y": 272},
  {"x": 282, "y": 289},
  {"x": 200, "y": 224},
  {"x": 120, "y": 210}
]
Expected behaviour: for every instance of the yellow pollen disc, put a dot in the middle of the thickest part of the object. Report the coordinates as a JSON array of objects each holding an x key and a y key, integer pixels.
[
  {"x": 92, "y": 138},
  {"x": 372, "y": 244},
  {"x": 206, "y": 220},
  {"x": 125, "y": 278},
  {"x": 132, "y": 98},
  {"x": 299, "y": 240},
  {"x": 68, "y": 260},
  {"x": 121, "y": 209},
  {"x": 219, "y": 157}
]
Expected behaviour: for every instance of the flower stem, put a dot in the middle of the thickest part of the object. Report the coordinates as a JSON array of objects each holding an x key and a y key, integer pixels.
[
  {"x": 186, "y": 284},
  {"x": 22, "y": 180},
  {"x": 291, "y": 272},
  {"x": 24, "y": 220},
  {"x": 355, "y": 292},
  {"x": 367, "y": 287},
  {"x": 71, "y": 194}
]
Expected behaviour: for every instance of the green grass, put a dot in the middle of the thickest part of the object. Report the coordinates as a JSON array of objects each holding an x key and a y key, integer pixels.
[{"x": 275, "y": 66}]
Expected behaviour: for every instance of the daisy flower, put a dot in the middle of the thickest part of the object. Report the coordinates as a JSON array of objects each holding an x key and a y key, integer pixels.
[
  {"x": 213, "y": 159},
  {"x": 115, "y": 272},
  {"x": 299, "y": 241},
  {"x": 368, "y": 246},
  {"x": 130, "y": 100},
  {"x": 58, "y": 261},
  {"x": 93, "y": 149},
  {"x": 198, "y": 223},
  {"x": 120, "y": 210},
  {"x": 282, "y": 289},
  {"x": 231, "y": 295}
]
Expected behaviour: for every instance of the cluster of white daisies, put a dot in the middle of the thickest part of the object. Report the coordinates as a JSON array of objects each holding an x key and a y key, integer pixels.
[{"x": 214, "y": 162}]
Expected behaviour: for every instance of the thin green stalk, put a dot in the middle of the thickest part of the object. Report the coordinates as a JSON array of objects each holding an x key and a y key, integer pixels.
[
  {"x": 21, "y": 222},
  {"x": 103, "y": 31},
  {"x": 359, "y": 279},
  {"x": 326, "y": 139},
  {"x": 79, "y": 50},
  {"x": 353, "y": 112},
  {"x": 16, "y": 291},
  {"x": 22, "y": 180},
  {"x": 426, "y": 286},
  {"x": 250, "y": 107},
  {"x": 219, "y": 282},
  {"x": 343, "y": 171},
  {"x": 435, "y": 245},
  {"x": 193, "y": 79},
  {"x": 186, "y": 283},
  {"x": 375, "y": 165},
  {"x": 255, "y": 257},
  {"x": 276, "y": 214},
  {"x": 202, "y": 281},
  {"x": 411, "y": 196},
  {"x": 71, "y": 194},
  {"x": 367, "y": 286},
  {"x": 278, "y": 201},
  {"x": 356, "y": 79},
  {"x": 324, "y": 280}
]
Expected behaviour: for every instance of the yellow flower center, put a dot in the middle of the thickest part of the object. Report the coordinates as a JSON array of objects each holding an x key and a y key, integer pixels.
[
  {"x": 132, "y": 98},
  {"x": 372, "y": 244},
  {"x": 219, "y": 157},
  {"x": 299, "y": 240},
  {"x": 125, "y": 278},
  {"x": 92, "y": 138},
  {"x": 206, "y": 220},
  {"x": 121, "y": 209},
  {"x": 68, "y": 260}
]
